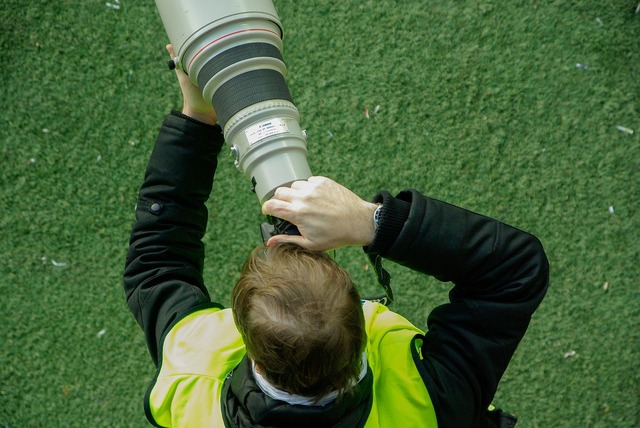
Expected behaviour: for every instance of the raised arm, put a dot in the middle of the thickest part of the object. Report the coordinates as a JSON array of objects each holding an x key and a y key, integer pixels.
[
  {"x": 163, "y": 271},
  {"x": 500, "y": 275}
]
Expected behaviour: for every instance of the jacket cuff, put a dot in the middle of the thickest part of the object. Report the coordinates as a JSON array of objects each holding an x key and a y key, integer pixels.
[
  {"x": 393, "y": 216},
  {"x": 179, "y": 114}
]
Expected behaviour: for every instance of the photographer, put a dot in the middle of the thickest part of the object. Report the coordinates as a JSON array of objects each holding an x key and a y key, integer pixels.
[{"x": 299, "y": 347}]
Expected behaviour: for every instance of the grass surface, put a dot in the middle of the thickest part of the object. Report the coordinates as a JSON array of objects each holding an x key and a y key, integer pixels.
[{"x": 480, "y": 104}]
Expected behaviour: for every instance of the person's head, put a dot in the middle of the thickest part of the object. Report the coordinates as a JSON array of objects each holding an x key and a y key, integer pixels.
[{"x": 301, "y": 320}]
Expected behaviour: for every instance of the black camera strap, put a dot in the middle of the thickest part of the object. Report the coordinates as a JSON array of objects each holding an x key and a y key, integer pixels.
[{"x": 384, "y": 280}]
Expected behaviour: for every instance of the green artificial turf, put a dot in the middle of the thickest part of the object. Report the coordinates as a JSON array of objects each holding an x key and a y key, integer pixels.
[{"x": 480, "y": 103}]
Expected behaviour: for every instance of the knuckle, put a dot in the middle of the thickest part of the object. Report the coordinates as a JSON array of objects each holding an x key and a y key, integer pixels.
[{"x": 279, "y": 193}]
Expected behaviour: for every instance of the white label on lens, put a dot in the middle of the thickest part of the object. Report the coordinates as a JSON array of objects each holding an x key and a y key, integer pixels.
[{"x": 263, "y": 130}]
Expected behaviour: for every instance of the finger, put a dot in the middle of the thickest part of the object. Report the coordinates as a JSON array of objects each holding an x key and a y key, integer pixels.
[
  {"x": 300, "y": 184},
  {"x": 285, "y": 194},
  {"x": 169, "y": 48},
  {"x": 276, "y": 208},
  {"x": 286, "y": 239},
  {"x": 318, "y": 179}
]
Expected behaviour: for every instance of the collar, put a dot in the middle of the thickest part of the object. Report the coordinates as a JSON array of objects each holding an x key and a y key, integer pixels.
[
  {"x": 245, "y": 405},
  {"x": 278, "y": 394}
]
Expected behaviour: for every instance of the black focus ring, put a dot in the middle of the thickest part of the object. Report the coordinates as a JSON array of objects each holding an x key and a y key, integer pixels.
[
  {"x": 247, "y": 89},
  {"x": 236, "y": 54}
]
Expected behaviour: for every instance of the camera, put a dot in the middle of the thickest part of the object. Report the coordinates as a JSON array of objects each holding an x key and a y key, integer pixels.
[{"x": 232, "y": 50}]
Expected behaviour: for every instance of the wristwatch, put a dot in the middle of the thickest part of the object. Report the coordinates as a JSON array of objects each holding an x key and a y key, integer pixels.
[{"x": 376, "y": 216}]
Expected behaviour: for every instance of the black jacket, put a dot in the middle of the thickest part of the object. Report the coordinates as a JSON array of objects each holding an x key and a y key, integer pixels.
[{"x": 500, "y": 274}]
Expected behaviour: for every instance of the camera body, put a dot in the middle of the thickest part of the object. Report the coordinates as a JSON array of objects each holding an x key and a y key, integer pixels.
[{"x": 232, "y": 50}]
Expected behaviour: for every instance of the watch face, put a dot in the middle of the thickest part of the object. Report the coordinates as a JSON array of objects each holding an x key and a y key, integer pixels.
[{"x": 376, "y": 216}]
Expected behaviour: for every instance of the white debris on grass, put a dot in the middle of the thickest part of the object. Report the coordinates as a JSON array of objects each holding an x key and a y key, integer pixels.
[
  {"x": 329, "y": 134},
  {"x": 611, "y": 209},
  {"x": 570, "y": 354},
  {"x": 115, "y": 5},
  {"x": 624, "y": 129},
  {"x": 582, "y": 66},
  {"x": 599, "y": 22},
  {"x": 45, "y": 260},
  {"x": 101, "y": 333},
  {"x": 375, "y": 111},
  {"x": 605, "y": 287}
]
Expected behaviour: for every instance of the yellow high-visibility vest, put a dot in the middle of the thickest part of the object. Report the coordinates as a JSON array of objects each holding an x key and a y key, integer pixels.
[{"x": 205, "y": 346}]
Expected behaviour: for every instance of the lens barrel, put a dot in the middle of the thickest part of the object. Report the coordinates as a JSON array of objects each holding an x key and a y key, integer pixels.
[{"x": 233, "y": 51}]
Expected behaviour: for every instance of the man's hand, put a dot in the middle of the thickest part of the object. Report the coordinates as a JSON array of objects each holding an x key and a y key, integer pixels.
[
  {"x": 193, "y": 105},
  {"x": 327, "y": 214}
]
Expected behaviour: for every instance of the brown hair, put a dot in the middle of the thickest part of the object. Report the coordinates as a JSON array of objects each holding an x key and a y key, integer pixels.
[{"x": 301, "y": 319}]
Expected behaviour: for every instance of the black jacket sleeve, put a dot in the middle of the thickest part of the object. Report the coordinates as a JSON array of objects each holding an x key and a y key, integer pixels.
[
  {"x": 163, "y": 271},
  {"x": 500, "y": 275}
]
